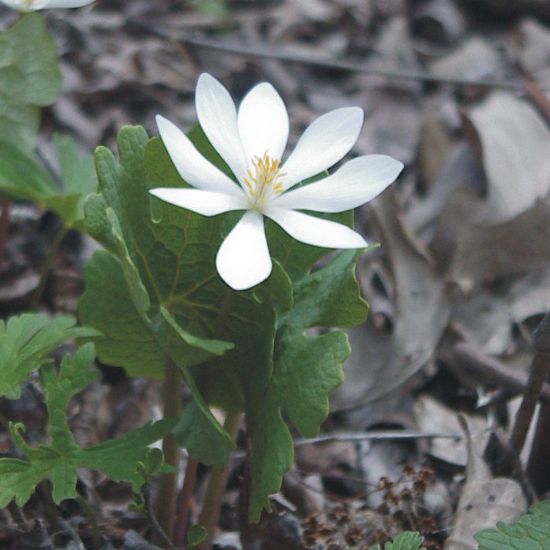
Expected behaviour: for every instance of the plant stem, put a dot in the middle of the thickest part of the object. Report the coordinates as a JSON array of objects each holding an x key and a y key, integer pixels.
[
  {"x": 160, "y": 535},
  {"x": 537, "y": 377},
  {"x": 45, "y": 267},
  {"x": 166, "y": 501},
  {"x": 184, "y": 501},
  {"x": 215, "y": 488}
]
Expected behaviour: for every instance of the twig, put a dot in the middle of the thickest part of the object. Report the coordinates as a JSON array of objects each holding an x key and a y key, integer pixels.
[
  {"x": 274, "y": 51},
  {"x": 281, "y": 54},
  {"x": 538, "y": 374},
  {"x": 488, "y": 370},
  {"x": 184, "y": 501},
  {"x": 392, "y": 435}
]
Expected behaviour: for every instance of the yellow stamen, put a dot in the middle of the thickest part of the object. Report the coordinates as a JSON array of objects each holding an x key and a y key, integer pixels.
[{"x": 262, "y": 180}]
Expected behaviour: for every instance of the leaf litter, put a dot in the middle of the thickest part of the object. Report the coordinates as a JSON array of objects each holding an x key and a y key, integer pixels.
[{"x": 464, "y": 255}]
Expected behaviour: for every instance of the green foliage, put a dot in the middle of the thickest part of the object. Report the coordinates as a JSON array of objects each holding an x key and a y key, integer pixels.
[
  {"x": 60, "y": 458},
  {"x": 27, "y": 340},
  {"x": 408, "y": 540},
  {"x": 134, "y": 291},
  {"x": 155, "y": 292},
  {"x": 196, "y": 534},
  {"x": 529, "y": 532},
  {"x": 78, "y": 180},
  {"x": 29, "y": 79},
  {"x": 21, "y": 177},
  {"x": 211, "y": 7}
]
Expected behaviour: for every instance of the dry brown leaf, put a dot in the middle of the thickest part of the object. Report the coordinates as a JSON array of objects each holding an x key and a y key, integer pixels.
[
  {"x": 486, "y": 254},
  {"x": 380, "y": 363},
  {"x": 484, "y": 500},
  {"x": 433, "y": 416},
  {"x": 515, "y": 142},
  {"x": 475, "y": 59}
]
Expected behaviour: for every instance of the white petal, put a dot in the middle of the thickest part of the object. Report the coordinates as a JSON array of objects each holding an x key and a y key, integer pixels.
[
  {"x": 15, "y": 4},
  {"x": 263, "y": 122},
  {"x": 218, "y": 118},
  {"x": 315, "y": 231},
  {"x": 243, "y": 259},
  {"x": 45, "y": 4},
  {"x": 68, "y": 3},
  {"x": 354, "y": 184},
  {"x": 326, "y": 141},
  {"x": 190, "y": 164},
  {"x": 207, "y": 203}
]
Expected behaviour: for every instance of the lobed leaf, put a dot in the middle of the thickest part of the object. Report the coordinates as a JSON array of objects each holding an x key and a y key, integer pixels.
[
  {"x": 408, "y": 540},
  {"x": 530, "y": 532},
  {"x": 169, "y": 253},
  {"x": 60, "y": 458},
  {"x": 27, "y": 340},
  {"x": 141, "y": 292}
]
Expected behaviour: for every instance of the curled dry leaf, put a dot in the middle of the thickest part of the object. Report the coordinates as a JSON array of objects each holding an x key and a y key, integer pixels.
[
  {"x": 488, "y": 253},
  {"x": 474, "y": 59},
  {"x": 514, "y": 141},
  {"x": 484, "y": 500},
  {"x": 432, "y": 416},
  {"x": 534, "y": 50}
]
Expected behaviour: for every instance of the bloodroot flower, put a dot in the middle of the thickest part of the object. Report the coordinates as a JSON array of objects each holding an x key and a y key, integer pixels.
[
  {"x": 34, "y": 5},
  {"x": 252, "y": 142}
]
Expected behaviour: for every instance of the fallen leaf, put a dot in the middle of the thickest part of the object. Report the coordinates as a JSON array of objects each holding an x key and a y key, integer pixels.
[
  {"x": 484, "y": 500},
  {"x": 378, "y": 364},
  {"x": 514, "y": 140}
]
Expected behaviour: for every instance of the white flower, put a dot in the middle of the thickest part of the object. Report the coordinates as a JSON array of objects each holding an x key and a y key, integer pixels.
[
  {"x": 252, "y": 142},
  {"x": 34, "y": 5}
]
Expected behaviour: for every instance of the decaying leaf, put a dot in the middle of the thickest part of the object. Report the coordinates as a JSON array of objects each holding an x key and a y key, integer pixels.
[
  {"x": 379, "y": 363},
  {"x": 484, "y": 500},
  {"x": 514, "y": 141}
]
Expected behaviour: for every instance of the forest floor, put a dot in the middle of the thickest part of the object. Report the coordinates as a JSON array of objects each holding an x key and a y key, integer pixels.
[{"x": 453, "y": 89}]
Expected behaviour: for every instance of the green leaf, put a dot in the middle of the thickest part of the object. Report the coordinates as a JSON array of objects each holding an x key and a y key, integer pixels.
[
  {"x": 60, "y": 459},
  {"x": 27, "y": 340},
  {"x": 78, "y": 178},
  {"x": 306, "y": 370},
  {"x": 408, "y": 540},
  {"x": 157, "y": 277},
  {"x": 196, "y": 534},
  {"x": 29, "y": 78},
  {"x": 127, "y": 340},
  {"x": 274, "y": 365},
  {"x": 529, "y": 532},
  {"x": 141, "y": 293},
  {"x": 21, "y": 177}
]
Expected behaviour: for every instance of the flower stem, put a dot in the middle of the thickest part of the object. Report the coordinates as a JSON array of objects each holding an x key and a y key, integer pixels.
[
  {"x": 165, "y": 505},
  {"x": 184, "y": 501},
  {"x": 210, "y": 513}
]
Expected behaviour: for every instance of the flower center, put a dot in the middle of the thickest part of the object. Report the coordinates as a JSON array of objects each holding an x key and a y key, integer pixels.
[{"x": 263, "y": 180}]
